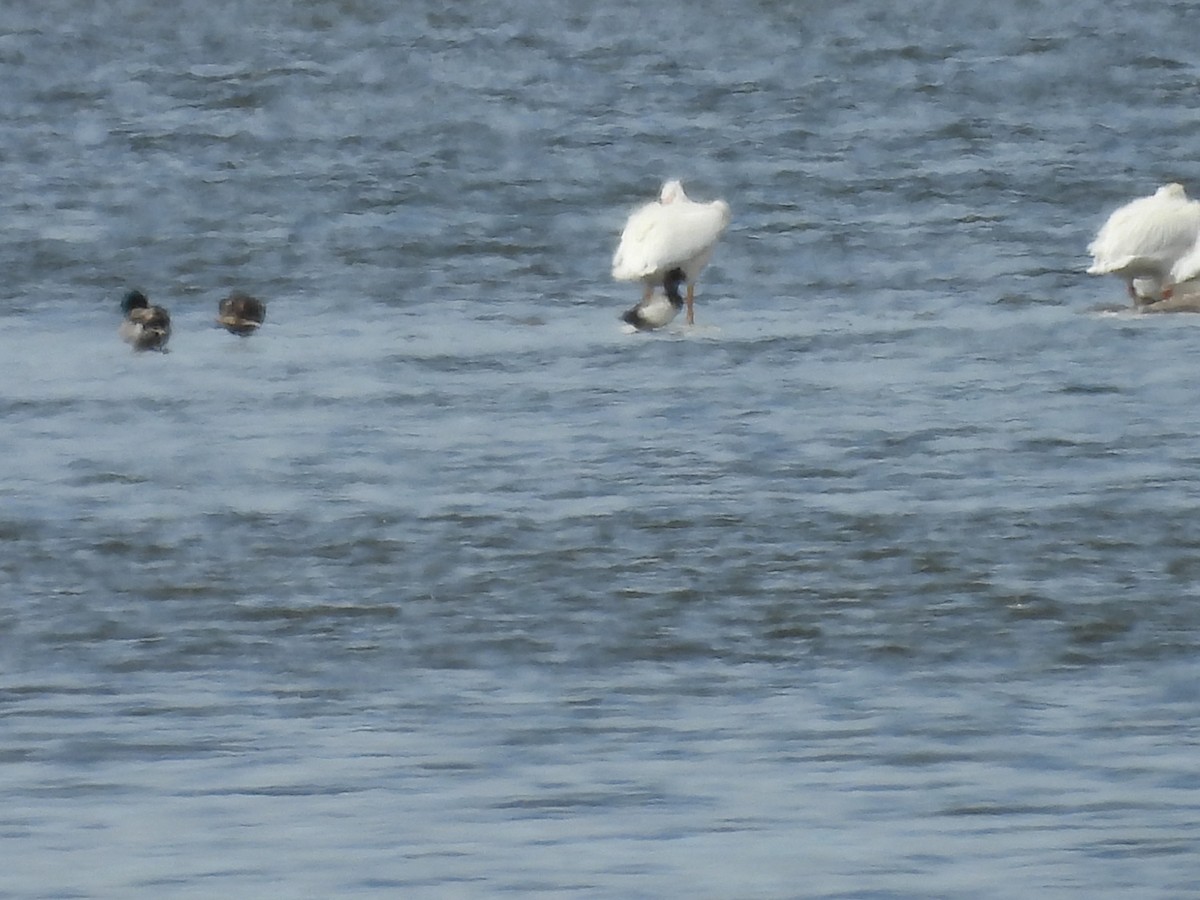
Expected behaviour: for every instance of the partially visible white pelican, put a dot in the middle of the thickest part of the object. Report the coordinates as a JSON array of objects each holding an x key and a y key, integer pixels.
[
  {"x": 1187, "y": 267},
  {"x": 671, "y": 233},
  {"x": 1144, "y": 240}
]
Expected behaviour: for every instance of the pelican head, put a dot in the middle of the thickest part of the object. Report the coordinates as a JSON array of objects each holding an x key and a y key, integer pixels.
[
  {"x": 1172, "y": 191},
  {"x": 672, "y": 191}
]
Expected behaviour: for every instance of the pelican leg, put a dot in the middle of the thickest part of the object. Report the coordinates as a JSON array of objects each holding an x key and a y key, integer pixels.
[
  {"x": 691, "y": 296},
  {"x": 647, "y": 293}
]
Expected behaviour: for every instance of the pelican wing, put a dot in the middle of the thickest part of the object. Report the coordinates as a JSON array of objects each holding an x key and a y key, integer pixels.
[
  {"x": 1188, "y": 266},
  {"x": 1146, "y": 236},
  {"x": 662, "y": 236},
  {"x": 630, "y": 259}
]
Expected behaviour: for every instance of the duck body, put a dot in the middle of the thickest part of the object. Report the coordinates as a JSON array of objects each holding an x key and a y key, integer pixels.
[
  {"x": 146, "y": 327},
  {"x": 1144, "y": 240},
  {"x": 670, "y": 233},
  {"x": 658, "y": 309},
  {"x": 241, "y": 314}
]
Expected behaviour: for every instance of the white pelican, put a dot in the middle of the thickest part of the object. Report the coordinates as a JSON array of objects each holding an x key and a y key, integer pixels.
[
  {"x": 146, "y": 327},
  {"x": 657, "y": 310},
  {"x": 670, "y": 233},
  {"x": 1144, "y": 239}
]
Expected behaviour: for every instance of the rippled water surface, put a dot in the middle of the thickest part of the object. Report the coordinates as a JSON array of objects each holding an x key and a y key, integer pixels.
[{"x": 882, "y": 580}]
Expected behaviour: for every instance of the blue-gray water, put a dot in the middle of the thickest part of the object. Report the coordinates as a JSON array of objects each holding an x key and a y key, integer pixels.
[{"x": 883, "y": 581}]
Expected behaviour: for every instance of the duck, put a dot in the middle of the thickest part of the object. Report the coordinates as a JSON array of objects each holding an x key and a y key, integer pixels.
[
  {"x": 146, "y": 327},
  {"x": 241, "y": 314},
  {"x": 672, "y": 232},
  {"x": 658, "y": 310},
  {"x": 1145, "y": 240}
]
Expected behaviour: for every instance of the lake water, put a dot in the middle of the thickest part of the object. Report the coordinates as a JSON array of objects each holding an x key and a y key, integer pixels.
[{"x": 881, "y": 581}]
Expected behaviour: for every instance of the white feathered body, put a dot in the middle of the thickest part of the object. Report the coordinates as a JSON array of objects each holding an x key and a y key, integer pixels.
[
  {"x": 1187, "y": 267},
  {"x": 675, "y": 233},
  {"x": 1146, "y": 238}
]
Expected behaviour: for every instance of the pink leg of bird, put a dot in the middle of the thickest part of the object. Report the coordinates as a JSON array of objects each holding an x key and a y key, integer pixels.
[
  {"x": 691, "y": 295},
  {"x": 647, "y": 293}
]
